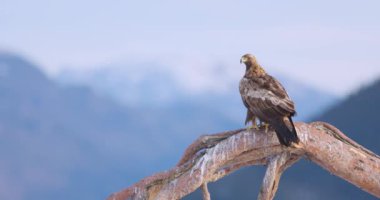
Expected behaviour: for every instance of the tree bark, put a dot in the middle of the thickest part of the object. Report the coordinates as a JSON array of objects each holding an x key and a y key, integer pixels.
[
  {"x": 276, "y": 165},
  {"x": 211, "y": 157}
]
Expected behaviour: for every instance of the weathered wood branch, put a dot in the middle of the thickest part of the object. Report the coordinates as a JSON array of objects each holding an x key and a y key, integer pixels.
[
  {"x": 276, "y": 165},
  {"x": 211, "y": 157}
]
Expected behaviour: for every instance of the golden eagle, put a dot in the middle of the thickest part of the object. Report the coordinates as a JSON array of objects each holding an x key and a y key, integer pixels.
[{"x": 267, "y": 100}]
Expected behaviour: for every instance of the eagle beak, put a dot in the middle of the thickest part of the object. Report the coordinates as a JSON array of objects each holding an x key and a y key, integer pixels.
[{"x": 241, "y": 60}]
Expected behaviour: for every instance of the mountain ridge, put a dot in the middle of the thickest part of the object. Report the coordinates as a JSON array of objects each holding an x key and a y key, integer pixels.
[
  {"x": 159, "y": 88},
  {"x": 67, "y": 142}
]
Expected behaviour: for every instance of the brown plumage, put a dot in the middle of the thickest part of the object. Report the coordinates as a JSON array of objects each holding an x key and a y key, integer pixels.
[{"x": 266, "y": 99}]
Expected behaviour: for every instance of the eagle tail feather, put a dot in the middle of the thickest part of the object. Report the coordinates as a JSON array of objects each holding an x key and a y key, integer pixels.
[{"x": 286, "y": 135}]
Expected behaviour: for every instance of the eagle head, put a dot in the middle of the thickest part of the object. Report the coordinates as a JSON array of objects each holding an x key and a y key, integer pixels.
[
  {"x": 248, "y": 59},
  {"x": 251, "y": 64}
]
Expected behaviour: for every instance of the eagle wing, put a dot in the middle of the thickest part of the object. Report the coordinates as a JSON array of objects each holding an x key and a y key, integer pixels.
[
  {"x": 243, "y": 88},
  {"x": 266, "y": 98},
  {"x": 249, "y": 115}
]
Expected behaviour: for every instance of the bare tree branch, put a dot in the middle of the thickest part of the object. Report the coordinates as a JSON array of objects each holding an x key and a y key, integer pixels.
[
  {"x": 206, "y": 193},
  {"x": 276, "y": 165},
  {"x": 211, "y": 157}
]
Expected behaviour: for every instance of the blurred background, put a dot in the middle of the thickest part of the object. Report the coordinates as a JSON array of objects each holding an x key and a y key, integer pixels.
[{"x": 95, "y": 95}]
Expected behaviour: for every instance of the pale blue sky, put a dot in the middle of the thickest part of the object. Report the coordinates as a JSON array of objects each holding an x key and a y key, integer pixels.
[{"x": 334, "y": 45}]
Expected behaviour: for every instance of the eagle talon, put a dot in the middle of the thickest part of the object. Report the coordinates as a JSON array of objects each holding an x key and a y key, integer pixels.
[
  {"x": 254, "y": 126},
  {"x": 296, "y": 145},
  {"x": 266, "y": 125}
]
